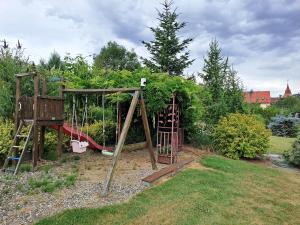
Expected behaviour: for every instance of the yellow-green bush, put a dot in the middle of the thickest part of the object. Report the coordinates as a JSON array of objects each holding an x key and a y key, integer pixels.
[
  {"x": 239, "y": 135},
  {"x": 95, "y": 130},
  {"x": 6, "y": 134}
]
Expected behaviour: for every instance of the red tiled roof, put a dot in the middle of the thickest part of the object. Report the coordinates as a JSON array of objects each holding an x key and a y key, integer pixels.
[{"x": 262, "y": 97}]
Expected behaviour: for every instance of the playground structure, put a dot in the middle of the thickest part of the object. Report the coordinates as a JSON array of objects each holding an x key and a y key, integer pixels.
[{"x": 41, "y": 111}]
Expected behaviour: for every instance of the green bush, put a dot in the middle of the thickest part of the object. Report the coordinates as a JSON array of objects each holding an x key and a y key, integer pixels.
[
  {"x": 200, "y": 135},
  {"x": 239, "y": 135},
  {"x": 51, "y": 144},
  {"x": 95, "y": 130},
  {"x": 6, "y": 134},
  {"x": 284, "y": 126},
  {"x": 293, "y": 156}
]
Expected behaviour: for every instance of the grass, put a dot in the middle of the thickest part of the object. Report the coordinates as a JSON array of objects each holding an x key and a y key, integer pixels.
[
  {"x": 280, "y": 144},
  {"x": 229, "y": 192}
]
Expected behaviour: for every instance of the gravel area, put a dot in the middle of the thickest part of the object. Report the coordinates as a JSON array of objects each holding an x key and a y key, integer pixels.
[{"x": 19, "y": 204}]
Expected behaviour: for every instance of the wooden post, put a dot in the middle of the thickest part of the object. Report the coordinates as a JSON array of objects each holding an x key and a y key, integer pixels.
[
  {"x": 60, "y": 132},
  {"x": 44, "y": 87},
  {"x": 42, "y": 141},
  {"x": 120, "y": 143},
  {"x": 147, "y": 133},
  {"x": 35, "y": 153},
  {"x": 60, "y": 136},
  {"x": 18, "y": 95}
]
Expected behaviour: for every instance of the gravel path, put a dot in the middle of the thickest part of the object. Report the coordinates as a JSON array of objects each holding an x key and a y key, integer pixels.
[{"x": 18, "y": 206}]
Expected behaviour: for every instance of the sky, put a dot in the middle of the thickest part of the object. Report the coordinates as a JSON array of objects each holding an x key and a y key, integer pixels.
[{"x": 261, "y": 38}]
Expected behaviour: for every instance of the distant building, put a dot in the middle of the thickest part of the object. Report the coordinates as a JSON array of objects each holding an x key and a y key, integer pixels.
[
  {"x": 263, "y": 98},
  {"x": 287, "y": 92}
]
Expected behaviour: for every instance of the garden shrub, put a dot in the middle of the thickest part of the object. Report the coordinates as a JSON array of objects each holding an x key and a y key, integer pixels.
[
  {"x": 6, "y": 133},
  {"x": 293, "y": 155},
  {"x": 95, "y": 130},
  {"x": 241, "y": 136},
  {"x": 284, "y": 126},
  {"x": 51, "y": 144},
  {"x": 200, "y": 135}
]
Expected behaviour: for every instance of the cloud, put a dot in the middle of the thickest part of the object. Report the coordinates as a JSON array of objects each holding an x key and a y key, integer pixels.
[{"x": 261, "y": 38}]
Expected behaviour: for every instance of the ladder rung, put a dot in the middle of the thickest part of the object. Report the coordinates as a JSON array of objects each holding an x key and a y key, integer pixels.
[
  {"x": 22, "y": 135},
  {"x": 28, "y": 121},
  {"x": 17, "y": 146},
  {"x": 12, "y": 170},
  {"x": 14, "y": 158}
]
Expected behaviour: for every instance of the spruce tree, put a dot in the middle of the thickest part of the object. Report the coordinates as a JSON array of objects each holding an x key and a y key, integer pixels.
[
  {"x": 214, "y": 73},
  {"x": 168, "y": 53},
  {"x": 222, "y": 83}
]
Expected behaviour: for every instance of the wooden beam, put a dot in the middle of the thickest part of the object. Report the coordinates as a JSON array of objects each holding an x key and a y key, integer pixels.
[
  {"x": 35, "y": 153},
  {"x": 44, "y": 87},
  {"x": 95, "y": 91},
  {"x": 18, "y": 95},
  {"x": 147, "y": 133},
  {"x": 171, "y": 169},
  {"x": 59, "y": 141},
  {"x": 120, "y": 142},
  {"x": 26, "y": 74},
  {"x": 42, "y": 141}
]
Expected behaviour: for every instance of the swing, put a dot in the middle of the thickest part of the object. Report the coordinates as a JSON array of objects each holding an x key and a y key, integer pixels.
[
  {"x": 104, "y": 151},
  {"x": 77, "y": 145}
]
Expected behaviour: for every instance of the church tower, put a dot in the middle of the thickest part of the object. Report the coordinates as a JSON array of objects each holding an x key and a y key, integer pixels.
[{"x": 287, "y": 91}]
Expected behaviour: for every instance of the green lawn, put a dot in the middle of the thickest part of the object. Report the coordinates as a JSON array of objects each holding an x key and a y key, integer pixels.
[
  {"x": 229, "y": 192},
  {"x": 279, "y": 144}
]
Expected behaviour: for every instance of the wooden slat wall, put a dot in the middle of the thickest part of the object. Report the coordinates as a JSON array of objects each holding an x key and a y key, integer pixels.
[{"x": 50, "y": 108}]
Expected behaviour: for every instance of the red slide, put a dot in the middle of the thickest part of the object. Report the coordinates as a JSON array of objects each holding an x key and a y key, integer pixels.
[{"x": 83, "y": 137}]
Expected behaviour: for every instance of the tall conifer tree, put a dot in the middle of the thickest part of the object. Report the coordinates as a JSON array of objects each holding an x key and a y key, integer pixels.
[{"x": 168, "y": 52}]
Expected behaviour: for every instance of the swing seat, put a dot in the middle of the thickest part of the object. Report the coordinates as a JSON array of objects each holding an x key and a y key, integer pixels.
[{"x": 79, "y": 146}]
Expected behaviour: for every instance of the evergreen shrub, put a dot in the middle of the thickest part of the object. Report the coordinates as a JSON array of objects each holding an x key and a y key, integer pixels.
[{"x": 241, "y": 136}]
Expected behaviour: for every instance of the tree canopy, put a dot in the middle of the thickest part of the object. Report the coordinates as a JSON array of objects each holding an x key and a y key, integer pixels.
[
  {"x": 168, "y": 52},
  {"x": 116, "y": 57}
]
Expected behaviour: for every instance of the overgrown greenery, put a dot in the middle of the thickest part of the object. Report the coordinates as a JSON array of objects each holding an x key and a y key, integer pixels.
[
  {"x": 241, "y": 136},
  {"x": 293, "y": 155},
  {"x": 6, "y": 134},
  {"x": 219, "y": 195},
  {"x": 168, "y": 51}
]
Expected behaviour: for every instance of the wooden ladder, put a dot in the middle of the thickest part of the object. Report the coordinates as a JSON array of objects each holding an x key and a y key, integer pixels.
[{"x": 15, "y": 149}]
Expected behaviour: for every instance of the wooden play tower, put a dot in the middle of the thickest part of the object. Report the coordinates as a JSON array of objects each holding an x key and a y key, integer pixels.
[{"x": 36, "y": 113}]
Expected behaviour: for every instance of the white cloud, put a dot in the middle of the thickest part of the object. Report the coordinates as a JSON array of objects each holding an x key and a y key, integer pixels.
[{"x": 260, "y": 38}]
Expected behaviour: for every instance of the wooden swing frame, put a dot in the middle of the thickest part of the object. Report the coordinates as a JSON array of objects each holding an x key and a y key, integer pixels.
[{"x": 137, "y": 97}]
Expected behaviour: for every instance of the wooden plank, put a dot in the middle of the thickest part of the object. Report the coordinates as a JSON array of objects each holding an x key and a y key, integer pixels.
[
  {"x": 35, "y": 126},
  {"x": 135, "y": 146},
  {"x": 167, "y": 170},
  {"x": 120, "y": 143},
  {"x": 42, "y": 141},
  {"x": 94, "y": 91},
  {"x": 59, "y": 141},
  {"x": 26, "y": 74},
  {"x": 18, "y": 95},
  {"x": 147, "y": 133}
]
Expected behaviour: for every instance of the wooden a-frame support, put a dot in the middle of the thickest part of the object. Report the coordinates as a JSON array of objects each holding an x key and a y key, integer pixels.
[{"x": 123, "y": 137}]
